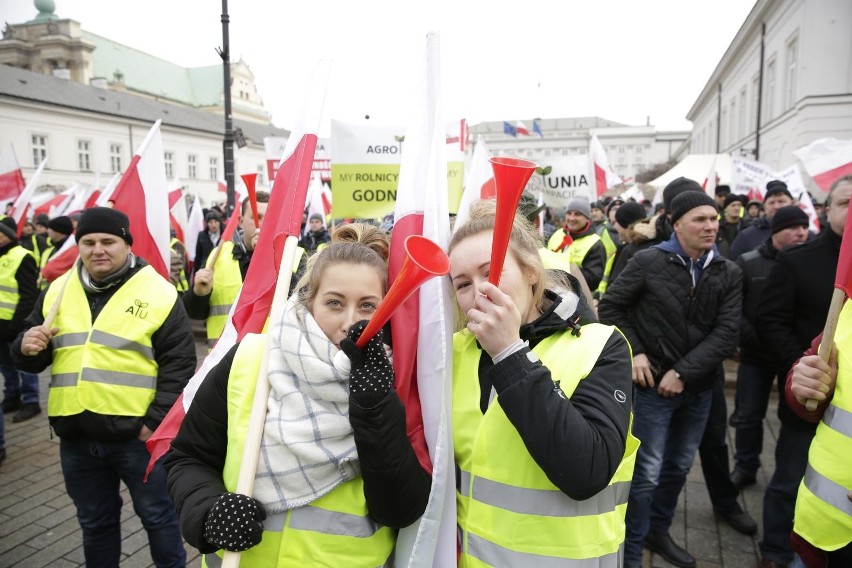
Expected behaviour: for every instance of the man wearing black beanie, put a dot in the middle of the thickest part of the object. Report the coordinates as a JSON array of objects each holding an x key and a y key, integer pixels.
[
  {"x": 777, "y": 196},
  {"x": 676, "y": 285},
  {"x": 127, "y": 353}
]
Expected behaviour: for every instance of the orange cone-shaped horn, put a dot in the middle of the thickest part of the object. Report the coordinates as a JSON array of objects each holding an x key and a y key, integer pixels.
[
  {"x": 510, "y": 176},
  {"x": 423, "y": 260}
]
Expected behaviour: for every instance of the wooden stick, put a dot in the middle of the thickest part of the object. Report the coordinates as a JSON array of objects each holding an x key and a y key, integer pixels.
[
  {"x": 837, "y": 299},
  {"x": 54, "y": 309},
  {"x": 251, "y": 453}
]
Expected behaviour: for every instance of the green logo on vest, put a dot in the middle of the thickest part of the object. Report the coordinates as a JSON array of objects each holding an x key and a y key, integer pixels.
[{"x": 138, "y": 309}]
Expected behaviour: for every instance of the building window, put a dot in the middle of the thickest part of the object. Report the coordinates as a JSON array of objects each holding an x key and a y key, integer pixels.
[
  {"x": 790, "y": 79},
  {"x": 169, "y": 160},
  {"x": 732, "y": 130},
  {"x": 115, "y": 158},
  {"x": 39, "y": 148},
  {"x": 547, "y": 153},
  {"x": 742, "y": 129},
  {"x": 214, "y": 168},
  {"x": 84, "y": 155},
  {"x": 261, "y": 173},
  {"x": 770, "y": 91},
  {"x": 622, "y": 149},
  {"x": 755, "y": 97},
  {"x": 638, "y": 150},
  {"x": 190, "y": 166},
  {"x": 564, "y": 151}
]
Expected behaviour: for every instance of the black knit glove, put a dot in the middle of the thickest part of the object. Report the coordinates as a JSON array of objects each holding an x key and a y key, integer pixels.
[
  {"x": 234, "y": 522},
  {"x": 371, "y": 377}
]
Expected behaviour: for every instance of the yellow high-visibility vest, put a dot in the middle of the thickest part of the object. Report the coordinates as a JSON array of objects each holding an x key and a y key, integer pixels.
[
  {"x": 824, "y": 505},
  {"x": 509, "y": 513},
  {"x": 227, "y": 281},
  {"x": 9, "y": 294},
  {"x": 107, "y": 367},
  {"x": 335, "y": 530}
]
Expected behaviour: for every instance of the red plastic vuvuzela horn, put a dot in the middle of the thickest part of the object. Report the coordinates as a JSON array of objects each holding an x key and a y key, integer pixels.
[
  {"x": 250, "y": 180},
  {"x": 510, "y": 176},
  {"x": 423, "y": 260}
]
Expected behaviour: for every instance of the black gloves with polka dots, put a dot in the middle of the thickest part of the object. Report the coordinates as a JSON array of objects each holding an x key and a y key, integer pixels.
[
  {"x": 234, "y": 522},
  {"x": 371, "y": 377}
]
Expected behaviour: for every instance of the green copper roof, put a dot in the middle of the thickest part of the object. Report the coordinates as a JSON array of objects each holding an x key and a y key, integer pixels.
[{"x": 145, "y": 73}]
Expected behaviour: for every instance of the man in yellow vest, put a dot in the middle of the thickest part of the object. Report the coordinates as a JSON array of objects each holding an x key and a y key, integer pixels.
[
  {"x": 822, "y": 529},
  {"x": 18, "y": 293},
  {"x": 121, "y": 352},
  {"x": 215, "y": 287},
  {"x": 579, "y": 240}
]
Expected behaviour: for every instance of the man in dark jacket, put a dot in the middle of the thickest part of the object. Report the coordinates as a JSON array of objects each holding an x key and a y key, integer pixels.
[
  {"x": 317, "y": 234},
  {"x": 112, "y": 383},
  {"x": 777, "y": 196},
  {"x": 731, "y": 223},
  {"x": 678, "y": 304},
  {"x": 791, "y": 313},
  {"x": 756, "y": 371},
  {"x": 207, "y": 239}
]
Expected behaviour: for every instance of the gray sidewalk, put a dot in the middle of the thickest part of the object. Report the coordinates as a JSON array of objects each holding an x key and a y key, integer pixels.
[{"x": 38, "y": 526}]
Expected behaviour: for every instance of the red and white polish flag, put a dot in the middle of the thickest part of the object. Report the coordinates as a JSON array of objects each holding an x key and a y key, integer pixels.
[
  {"x": 283, "y": 218},
  {"x": 11, "y": 177},
  {"x": 605, "y": 177},
  {"x": 142, "y": 194},
  {"x": 479, "y": 181},
  {"x": 422, "y": 327},
  {"x": 22, "y": 203},
  {"x": 826, "y": 159}
]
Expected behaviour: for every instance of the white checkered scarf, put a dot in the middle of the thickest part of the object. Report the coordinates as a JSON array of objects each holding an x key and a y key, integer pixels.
[{"x": 308, "y": 446}]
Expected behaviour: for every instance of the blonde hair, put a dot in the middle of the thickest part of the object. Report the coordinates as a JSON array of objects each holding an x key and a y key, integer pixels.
[
  {"x": 355, "y": 243},
  {"x": 524, "y": 243}
]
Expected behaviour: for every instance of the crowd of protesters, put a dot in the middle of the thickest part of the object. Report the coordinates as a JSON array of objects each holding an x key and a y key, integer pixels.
[{"x": 687, "y": 284}]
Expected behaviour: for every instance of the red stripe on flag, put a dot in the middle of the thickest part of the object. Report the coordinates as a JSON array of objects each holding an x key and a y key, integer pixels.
[
  {"x": 600, "y": 180},
  {"x": 129, "y": 197},
  {"x": 59, "y": 264},
  {"x": 93, "y": 199},
  {"x": 405, "y": 341},
  {"x": 283, "y": 218},
  {"x": 174, "y": 197},
  {"x": 825, "y": 179},
  {"x": 11, "y": 184},
  {"x": 843, "y": 279},
  {"x": 177, "y": 228}
]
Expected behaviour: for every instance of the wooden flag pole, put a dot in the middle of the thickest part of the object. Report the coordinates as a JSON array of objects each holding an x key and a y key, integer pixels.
[
  {"x": 825, "y": 346},
  {"x": 251, "y": 453}
]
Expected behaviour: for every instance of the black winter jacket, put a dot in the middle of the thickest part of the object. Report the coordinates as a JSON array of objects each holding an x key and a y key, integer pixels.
[
  {"x": 577, "y": 442},
  {"x": 795, "y": 303},
  {"x": 751, "y": 237},
  {"x": 690, "y": 329},
  {"x": 395, "y": 485},
  {"x": 174, "y": 352},
  {"x": 756, "y": 265}
]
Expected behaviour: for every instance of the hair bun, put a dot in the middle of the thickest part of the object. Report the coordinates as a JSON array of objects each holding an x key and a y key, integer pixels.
[{"x": 365, "y": 234}]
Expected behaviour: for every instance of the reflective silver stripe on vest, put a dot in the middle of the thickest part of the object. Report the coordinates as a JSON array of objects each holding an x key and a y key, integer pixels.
[
  {"x": 546, "y": 502},
  {"x": 69, "y": 339},
  {"x": 118, "y": 342},
  {"x": 827, "y": 490},
  {"x": 12, "y": 289},
  {"x": 7, "y": 306},
  {"x": 318, "y": 520},
  {"x": 220, "y": 310},
  {"x": 63, "y": 380},
  {"x": 838, "y": 420},
  {"x": 118, "y": 378},
  {"x": 496, "y": 555}
]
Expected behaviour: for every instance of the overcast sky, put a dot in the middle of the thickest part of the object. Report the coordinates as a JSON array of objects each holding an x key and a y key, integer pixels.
[{"x": 623, "y": 60}]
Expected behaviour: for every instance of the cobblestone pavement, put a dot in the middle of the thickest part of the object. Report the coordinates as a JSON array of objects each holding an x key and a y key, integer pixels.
[{"x": 38, "y": 527}]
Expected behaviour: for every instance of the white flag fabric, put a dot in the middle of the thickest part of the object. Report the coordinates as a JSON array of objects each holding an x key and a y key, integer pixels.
[
  {"x": 194, "y": 225},
  {"x": 425, "y": 321},
  {"x": 478, "y": 182},
  {"x": 826, "y": 160},
  {"x": 23, "y": 201}
]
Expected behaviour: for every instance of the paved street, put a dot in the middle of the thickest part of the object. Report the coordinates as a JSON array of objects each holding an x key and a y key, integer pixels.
[{"x": 38, "y": 527}]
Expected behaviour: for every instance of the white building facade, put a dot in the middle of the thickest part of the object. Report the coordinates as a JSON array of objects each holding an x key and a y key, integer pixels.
[
  {"x": 630, "y": 149},
  {"x": 86, "y": 132},
  {"x": 785, "y": 81}
]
